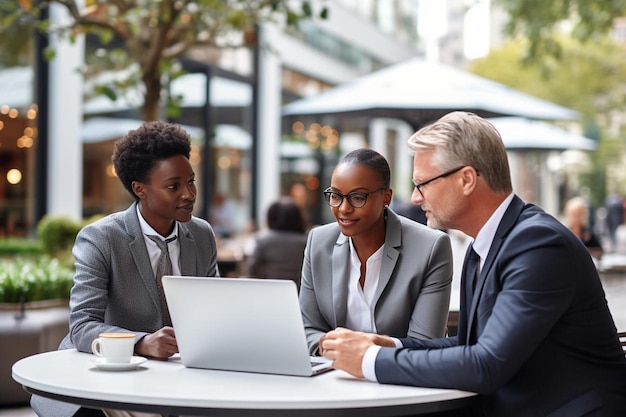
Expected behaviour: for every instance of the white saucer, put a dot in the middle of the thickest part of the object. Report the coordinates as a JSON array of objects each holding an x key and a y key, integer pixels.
[{"x": 135, "y": 361}]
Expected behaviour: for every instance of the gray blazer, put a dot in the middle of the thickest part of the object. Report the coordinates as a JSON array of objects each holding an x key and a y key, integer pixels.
[
  {"x": 114, "y": 288},
  {"x": 413, "y": 294}
]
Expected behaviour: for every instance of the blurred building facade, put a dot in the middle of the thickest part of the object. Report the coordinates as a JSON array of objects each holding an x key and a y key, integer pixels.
[{"x": 358, "y": 37}]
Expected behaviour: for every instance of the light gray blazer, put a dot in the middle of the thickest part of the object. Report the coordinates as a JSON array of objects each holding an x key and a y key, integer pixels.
[
  {"x": 114, "y": 287},
  {"x": 413, "y": 295}
]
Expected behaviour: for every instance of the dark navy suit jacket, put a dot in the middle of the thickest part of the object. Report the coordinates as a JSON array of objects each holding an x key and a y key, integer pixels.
[{"x": 536, "y": 338}]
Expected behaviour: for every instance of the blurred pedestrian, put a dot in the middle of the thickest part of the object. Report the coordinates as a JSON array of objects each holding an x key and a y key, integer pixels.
[
  {"x": 614, "y": 217},
  {"x": 576, "y": 219}
]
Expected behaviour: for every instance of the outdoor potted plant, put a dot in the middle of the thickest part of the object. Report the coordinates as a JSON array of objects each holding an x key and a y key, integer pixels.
[
  {"x": 28, "y": 283},
  {"x": 38, "y": 273}
]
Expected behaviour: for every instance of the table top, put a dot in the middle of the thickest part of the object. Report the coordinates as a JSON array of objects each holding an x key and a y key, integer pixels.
[{"x": 170, "y": 386}]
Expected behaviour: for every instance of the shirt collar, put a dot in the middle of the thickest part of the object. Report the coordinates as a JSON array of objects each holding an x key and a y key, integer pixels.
[
  {"x": 485, "y": 236},
  {"x": 146, "y": 229}
]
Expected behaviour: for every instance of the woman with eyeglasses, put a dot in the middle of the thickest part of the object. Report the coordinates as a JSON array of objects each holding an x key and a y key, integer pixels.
[{"x": 373, "y": 270}]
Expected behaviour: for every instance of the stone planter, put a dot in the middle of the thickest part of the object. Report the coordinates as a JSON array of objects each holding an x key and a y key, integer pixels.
[
  {"x": 27, "y": 329},
  {"x": 34, "y": 305}
]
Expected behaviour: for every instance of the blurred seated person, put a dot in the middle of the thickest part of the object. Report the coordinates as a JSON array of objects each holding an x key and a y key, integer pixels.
[
  {"x": 576, "y": 220},
  {"x": 279, "y": 250},
  {"x": 409, "y": 210}
]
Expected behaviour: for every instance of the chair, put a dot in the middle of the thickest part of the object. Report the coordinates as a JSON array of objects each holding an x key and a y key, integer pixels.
[
  {"x": 452, "y": 326},
  {"x": 622, "y": 340}
]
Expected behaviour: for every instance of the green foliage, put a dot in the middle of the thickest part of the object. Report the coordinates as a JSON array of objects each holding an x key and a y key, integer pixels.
[
  {"x": 57, "y": 233},
  {"x": 16, "y": 46},
  {"x": 143, "y": 39},
  {"x": 589, "y": 78},
  {"x": 23, "y": 280},
  {"x": 18, "y": 246},
  {"x": 541, "y": 22}
]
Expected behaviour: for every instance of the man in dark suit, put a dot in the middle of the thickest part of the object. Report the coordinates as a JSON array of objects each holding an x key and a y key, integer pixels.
[{"x": 536, "y": 337}]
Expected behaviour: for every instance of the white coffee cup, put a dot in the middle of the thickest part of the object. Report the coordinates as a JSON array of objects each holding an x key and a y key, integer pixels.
[{"x": 114, "y": 347}]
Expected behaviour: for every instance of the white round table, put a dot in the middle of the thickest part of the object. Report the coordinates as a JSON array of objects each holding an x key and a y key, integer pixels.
[{"x": 168, "y": 387}]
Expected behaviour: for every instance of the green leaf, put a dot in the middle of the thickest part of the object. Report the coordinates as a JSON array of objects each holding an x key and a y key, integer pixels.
[{"x": 49, "y": 53}]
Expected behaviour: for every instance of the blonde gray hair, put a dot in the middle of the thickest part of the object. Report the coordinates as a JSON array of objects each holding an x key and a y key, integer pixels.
[{"x": 463, "y": 138}]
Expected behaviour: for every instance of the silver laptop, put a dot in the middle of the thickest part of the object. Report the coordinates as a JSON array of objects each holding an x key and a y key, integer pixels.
[{"x": 240, "y": 324}]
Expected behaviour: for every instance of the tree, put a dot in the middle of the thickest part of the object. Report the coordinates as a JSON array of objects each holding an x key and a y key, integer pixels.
[
  {"x": 590, "y": 78},
  {"x": 541, "y": 21},
  {"x": 143, "y": 39}
]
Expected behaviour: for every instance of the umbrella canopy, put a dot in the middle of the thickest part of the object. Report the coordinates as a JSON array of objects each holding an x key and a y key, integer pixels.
[
  {"x": 420, "y": 92},
  {"x": 523, "y": 134},
  {"x": 99, "y": 129}
]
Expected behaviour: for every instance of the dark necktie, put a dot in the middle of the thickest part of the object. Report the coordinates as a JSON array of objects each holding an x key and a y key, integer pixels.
[
  {"x": 473, "y": 266},
  {"x": 164, "y": 267}
]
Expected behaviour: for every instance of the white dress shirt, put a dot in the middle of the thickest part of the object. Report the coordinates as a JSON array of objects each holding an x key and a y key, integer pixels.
[
  {"x": 360, "y": 309},
  {"x": 153, "y": 249}
]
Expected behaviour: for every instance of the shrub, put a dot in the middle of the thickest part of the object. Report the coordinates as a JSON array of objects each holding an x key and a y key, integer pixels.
[
  {"x": 24, "y": 280},
  {"x": 20, "y": 246},
  {"x": 57, "y": 234}
]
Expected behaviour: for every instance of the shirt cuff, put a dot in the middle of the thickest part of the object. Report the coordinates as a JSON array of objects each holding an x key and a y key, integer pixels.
[
  {"x": 368, "y": 366},
  {"x": 397, "y": 342}
]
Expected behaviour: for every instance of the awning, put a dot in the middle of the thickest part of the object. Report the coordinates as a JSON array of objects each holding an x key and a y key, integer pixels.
[{"x": 420, "y": 92}]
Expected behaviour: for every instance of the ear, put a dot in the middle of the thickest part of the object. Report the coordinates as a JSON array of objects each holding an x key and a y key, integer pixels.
[
  {"x": 470, "y": 179},
  {"x": 387, "y": 197},
  {"x": 139, "y": 189}
]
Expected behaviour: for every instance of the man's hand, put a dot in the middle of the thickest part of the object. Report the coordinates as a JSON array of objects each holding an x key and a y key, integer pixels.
[
  {"x": 160, "y": 344},
  {"x": 346, "y": 348}
]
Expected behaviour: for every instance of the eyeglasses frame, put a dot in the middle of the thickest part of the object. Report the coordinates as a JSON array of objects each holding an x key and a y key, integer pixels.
[
  {"x": 329, "y": 191},
  {"x": 418, "y": 186}
]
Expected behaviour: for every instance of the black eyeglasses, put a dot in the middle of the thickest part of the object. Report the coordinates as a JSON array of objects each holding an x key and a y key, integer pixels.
[
  {"x": 356, "y": 199},
  {"x": 418, "y": 186}
]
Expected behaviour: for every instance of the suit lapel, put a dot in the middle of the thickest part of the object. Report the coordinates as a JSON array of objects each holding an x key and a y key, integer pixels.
[
  {"x": 340, "y": 278},
  {"x": 188, "y": 260},
  {"x": 137, "y": 247},
  {"x": 393, "y": 239},
  {"x": 506, "y": 224}
]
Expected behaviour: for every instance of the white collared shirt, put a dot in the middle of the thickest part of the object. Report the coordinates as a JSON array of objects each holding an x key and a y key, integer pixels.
[
  {"x": 153, "y": 249},
  {"x": 360, "y": 308},
  {"x": 481, "y": 246},
  {"x": 484, "y": 238}
]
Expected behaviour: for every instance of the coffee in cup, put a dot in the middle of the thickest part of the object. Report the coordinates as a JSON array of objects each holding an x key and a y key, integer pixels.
[{"x": 114, "y": 347}]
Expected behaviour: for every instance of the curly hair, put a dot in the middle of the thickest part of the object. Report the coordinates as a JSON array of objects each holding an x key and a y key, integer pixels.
[{"x": 136, "y": 153}]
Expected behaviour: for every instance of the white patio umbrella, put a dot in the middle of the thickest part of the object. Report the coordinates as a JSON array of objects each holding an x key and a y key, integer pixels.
[
  {"x": 99, "y": 129},
  {"x": 524, "y": 134},
  {"x": 420, "y": 92}
]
